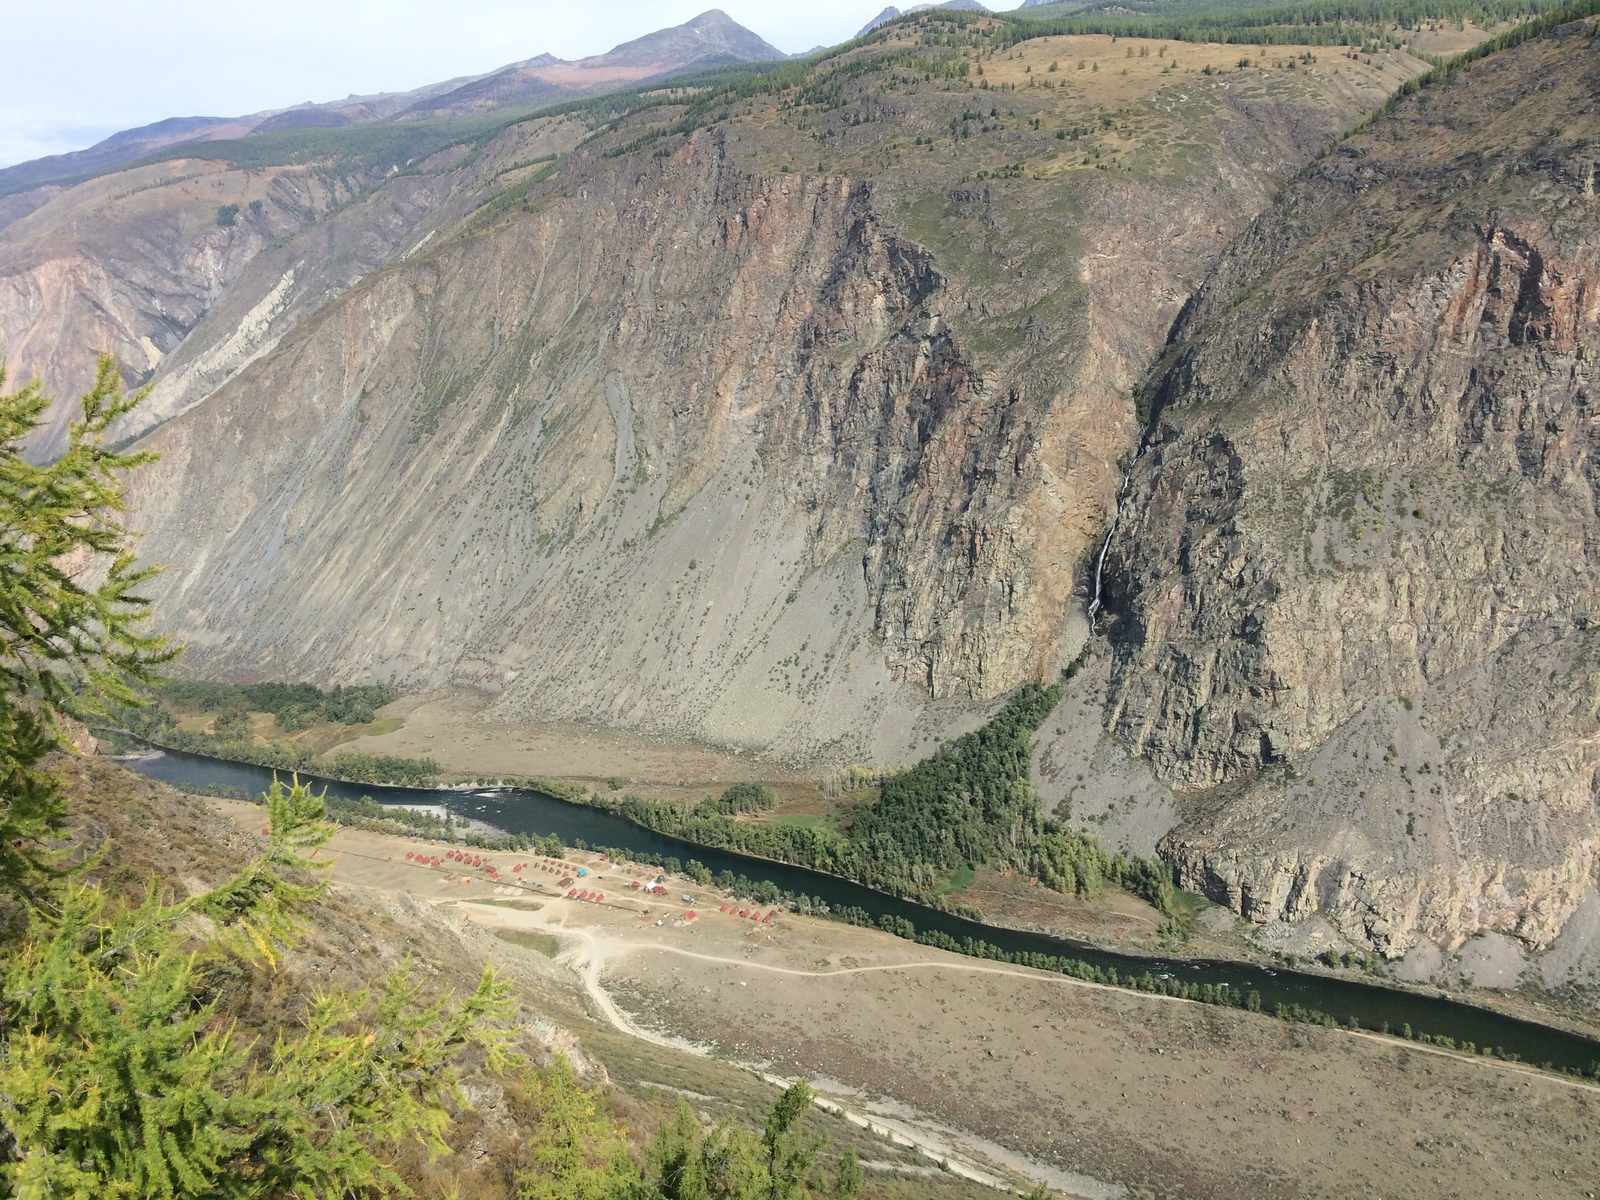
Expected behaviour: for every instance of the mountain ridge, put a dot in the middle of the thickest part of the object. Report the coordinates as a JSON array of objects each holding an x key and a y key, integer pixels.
[
  {"x": 710, "y": 39},
  {"x": 790, "y": 416},
  {"x": 892, "y": 13},
  {"x": 1354, "y": 598}
]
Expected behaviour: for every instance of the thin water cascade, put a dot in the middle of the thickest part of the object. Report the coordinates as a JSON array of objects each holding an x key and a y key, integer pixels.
[{"x": 1105, "y": 548}]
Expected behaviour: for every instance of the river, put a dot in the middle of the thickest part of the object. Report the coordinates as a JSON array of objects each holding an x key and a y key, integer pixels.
[{"x": 522, "y": 811}]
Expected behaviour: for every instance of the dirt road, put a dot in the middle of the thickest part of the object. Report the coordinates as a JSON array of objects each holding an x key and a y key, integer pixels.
[{"x": 1011, "y": 1072}]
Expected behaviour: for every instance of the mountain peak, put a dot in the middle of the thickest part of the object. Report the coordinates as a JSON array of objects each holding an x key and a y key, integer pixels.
[
  {"x": 711, "y": 39},
  {"x": 892, "y": 12},
  {"x": 713, "y": 36},
  {"x": 882, "y": 18},
  {"x": 711, "y": 17}
]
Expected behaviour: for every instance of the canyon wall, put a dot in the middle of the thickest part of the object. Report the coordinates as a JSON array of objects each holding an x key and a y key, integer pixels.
[
  {"x": 1355, "y": 584},
  {"x": 630, "y": 419},
  {"x": 809, "y": 463},
  {"x": 686, "y": 448}
]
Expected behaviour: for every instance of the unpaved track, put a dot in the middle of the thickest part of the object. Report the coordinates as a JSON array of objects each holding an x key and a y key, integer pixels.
[
  {"x": 998, "y": 1062},
  {"x": 618, "y": 947},
  {"x": 589, "y": 958},
  {"x": 1494, "y": 1064}
]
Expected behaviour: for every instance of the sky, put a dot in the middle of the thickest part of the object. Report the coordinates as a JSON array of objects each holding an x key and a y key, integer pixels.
[{"x": 79, "y": 70}]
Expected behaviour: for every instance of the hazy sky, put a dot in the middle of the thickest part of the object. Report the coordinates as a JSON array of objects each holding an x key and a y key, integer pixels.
[{"x": 78, "y": 70}]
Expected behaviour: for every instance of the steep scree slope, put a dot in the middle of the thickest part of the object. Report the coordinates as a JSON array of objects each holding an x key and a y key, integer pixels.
[
  {"x": 141, "y": 264},
  {"x": 691, "y": 442},
  {"x": 1356, "y": 581}
]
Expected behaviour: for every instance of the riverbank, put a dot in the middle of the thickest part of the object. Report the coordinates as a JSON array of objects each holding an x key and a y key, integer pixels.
[
  {"x": 1298, "y": 996},
  {"x": 448, "y": 725},
  {"x": 1093, "y": 1089}
]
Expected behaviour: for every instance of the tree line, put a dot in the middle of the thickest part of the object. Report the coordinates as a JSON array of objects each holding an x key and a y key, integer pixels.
[
  {"x": 970, "y": 804},
  {"x": 233, "y": 734},
  {"x": 294, "y": 706}
]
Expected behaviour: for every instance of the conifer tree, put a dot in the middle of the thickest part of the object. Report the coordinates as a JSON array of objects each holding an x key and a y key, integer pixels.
[
  {"x": 69, "y": 647},
  {"x": 790, "y": 1152},
  {"x": 120, "y": 1074},
  {"x": 577, "y": 1152}
]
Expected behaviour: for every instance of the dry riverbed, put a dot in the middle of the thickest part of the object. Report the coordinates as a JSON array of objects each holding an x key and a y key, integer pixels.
[{"x": 1011, "y": 1074}]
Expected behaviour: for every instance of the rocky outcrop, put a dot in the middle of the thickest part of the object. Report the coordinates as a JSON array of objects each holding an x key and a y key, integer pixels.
[
  {"x": 185, "y": 271},
  {"x": 1355, "y": 582},
  {"x": 131, "y": 264},
  {"x": 681, "y": 444},
  {"x": 636, "y": 516}
]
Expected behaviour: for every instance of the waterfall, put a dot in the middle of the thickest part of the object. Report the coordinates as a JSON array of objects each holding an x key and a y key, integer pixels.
[{"x": 1116, "y": 518}]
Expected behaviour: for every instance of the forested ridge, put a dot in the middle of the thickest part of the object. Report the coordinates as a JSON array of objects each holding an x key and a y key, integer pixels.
[
  {"x": 1315, "y": 23},
  {"x": 361, "y": 155}
]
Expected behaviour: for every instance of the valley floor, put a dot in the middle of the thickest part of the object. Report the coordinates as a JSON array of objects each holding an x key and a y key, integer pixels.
[
  {"x": 1009, "y": 1073},
  {"x": 451, "y": 728}
]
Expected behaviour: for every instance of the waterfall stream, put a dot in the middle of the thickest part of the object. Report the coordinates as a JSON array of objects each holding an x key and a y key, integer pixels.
[{"x": 1105, "y": 548}]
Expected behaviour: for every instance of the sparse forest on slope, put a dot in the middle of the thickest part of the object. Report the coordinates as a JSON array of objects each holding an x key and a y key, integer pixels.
[
  {"x": 969, "y": 805},
  {"x": 1370, "y": 26},
  {"x": 333, "y": 203}
]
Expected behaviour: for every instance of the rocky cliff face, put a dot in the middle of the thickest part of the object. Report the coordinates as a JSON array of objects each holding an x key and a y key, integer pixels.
[
  {"x": 671, "y": 476},
  {"x": 133, "y": 263},
  {"x": 691, "y": 442},
  {"x": 1355, "y": 583}
]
